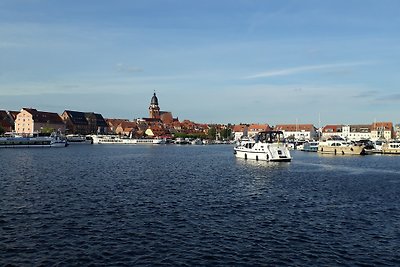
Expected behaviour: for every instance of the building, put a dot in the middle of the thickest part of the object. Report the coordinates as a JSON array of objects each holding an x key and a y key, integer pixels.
[
  {"x": 97, "y": 124},
  {"x": 254, "y": 129},
  {"x": 6, "y": 121},
  {"x": 382, "y": 130},
  {"x": 356, "y": 132},
  {"x": 75, "y": 122},
  {"x": 127, "y": 128},
  {"x": 78, "y": 122},
  {"x": 239, "y": 131},
  {"x": 30, "y": 121},
  {"x": 155, "y": 113},
  {"x": 298, "y": 131}
]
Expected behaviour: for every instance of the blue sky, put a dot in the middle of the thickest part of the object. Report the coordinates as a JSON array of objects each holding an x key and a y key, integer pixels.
[{"x": 220, "y": 61}]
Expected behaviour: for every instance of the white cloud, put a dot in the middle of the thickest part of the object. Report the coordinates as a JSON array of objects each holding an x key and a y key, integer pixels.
[{"x": 303, "y": 69}]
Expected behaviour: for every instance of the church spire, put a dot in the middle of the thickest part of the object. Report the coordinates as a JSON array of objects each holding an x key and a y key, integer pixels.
[{"x": 154, "y": 109}]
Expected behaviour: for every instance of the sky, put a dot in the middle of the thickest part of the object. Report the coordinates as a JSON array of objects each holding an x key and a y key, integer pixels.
[{"x": 225, "y": 61}]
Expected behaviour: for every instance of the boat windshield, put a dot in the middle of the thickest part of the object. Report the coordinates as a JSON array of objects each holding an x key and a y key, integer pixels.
[{"x": 271, "y": 137}]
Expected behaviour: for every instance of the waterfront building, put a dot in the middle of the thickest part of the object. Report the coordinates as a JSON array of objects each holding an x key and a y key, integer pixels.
[
  {"x": 97, "y": 123},
  {"x": 78, "y": 122},
  {"x": 356, "y": 132},
  {"x": 298, "y": 131},
  {"x": 127, "y": 128},
  {"x": 239, "y": 131},
  {"x": 6, "y": 121},
  {"x": 75, "y": 122},
  {"x": 332, "y": 130},
  {"x": 397, "y": 131},
  {"x": 112, "y": 124},
  {"x": 381, "y": 130},
  {"x": 254, "y": 129},
  {"x": 29, "y": 121}
]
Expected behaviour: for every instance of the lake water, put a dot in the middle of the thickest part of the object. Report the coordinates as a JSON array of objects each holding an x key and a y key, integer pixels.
[{"x": 196, "y": 205}]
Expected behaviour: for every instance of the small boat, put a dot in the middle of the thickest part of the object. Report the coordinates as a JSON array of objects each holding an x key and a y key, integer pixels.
[
  {"x": 310, "y": 146},
  {"x": 267, "y": 146},
  {"x": 197, "y": 142},
  {"x": 392, "y": 147},
  {"x": 78, "y": 139},
  {"x": 338, "y": 146}
]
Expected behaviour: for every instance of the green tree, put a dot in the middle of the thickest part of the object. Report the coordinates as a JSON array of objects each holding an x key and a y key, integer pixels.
[
  {"x": 212, "y": 132},
  {"x": 226, "y": 133}
]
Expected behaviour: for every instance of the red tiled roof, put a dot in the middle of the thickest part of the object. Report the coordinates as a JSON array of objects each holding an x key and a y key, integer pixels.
[{"x": 294, "y": 127}]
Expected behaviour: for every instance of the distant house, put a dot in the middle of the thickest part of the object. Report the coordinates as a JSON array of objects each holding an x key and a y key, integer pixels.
[
  {"x": 29, "y": 121},
  {"x": 127, "y": 128},
  {"x": 357, "y": 132},
  {"x": 332, "y": 130},
  {"x": 239, "y": 131},
  {"x": 112, "y": 124},
  {"x": 97, "y": 124},
  {"x": 78, "y": 122},
  {"x": 6, "y": 121},
  {"x": 75, "y": 122},
  {"x": 298, "y": 131},
  {"x": 257, "y": 128},
  {"x": 382, "y": 130}
]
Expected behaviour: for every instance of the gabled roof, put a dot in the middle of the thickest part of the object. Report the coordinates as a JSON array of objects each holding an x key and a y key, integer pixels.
[
  {"x": 44, "y": 117},
  {"x": 239, "y": 128},
  {"x": 385, "y": 125},
  {"x": 259, "y": 127},
  {"x": 295, "y": 127},
  {"x": 332, "y": 128},
  {"x": 77, "y": 117}
]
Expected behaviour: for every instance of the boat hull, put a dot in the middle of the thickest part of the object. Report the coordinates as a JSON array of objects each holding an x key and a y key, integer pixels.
[
  {"x": 277, "y": 154},
  {"x": 349, "y": 150}
]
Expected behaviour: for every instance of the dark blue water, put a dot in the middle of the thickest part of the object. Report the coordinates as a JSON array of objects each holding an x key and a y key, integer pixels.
[{"x": 196, "y": 205}]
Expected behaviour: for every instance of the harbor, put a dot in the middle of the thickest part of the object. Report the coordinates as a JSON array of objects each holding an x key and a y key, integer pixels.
[{"x": 196, "y": 204}]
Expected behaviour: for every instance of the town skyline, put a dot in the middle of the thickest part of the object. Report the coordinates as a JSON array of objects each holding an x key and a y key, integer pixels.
[{"x": 210, "y": 62}]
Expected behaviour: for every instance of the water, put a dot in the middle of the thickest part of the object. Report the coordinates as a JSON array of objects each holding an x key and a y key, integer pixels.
[{"x": 196, "y": 205}]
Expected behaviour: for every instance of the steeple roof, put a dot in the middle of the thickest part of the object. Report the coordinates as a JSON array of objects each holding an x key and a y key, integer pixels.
[{"x": 154, "y": 100}]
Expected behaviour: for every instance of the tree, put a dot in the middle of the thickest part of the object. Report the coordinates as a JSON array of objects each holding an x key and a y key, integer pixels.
[
  {"x": 226, "y": 133},
  {"x": 212, "y": 132}
]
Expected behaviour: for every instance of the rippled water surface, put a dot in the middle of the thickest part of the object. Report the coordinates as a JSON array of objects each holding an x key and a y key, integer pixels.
[{"x": 196, "y": 205}]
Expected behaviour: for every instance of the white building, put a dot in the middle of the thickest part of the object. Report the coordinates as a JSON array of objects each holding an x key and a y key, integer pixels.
[{"x": 298, "y": 131}]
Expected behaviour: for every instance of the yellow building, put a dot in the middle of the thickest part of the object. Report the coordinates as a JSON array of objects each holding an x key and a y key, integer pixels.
[{"x": 30, "y": 121}]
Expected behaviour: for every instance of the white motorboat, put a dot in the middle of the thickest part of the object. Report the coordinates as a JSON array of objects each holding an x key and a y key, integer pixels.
[
  {"x": 310, "y": 146},
  {"x": 78, "y": 139},
  {"x": 338, "y": 146},
  {"x": 268, "y": 146},
  {"x": 392, "y": 147}
]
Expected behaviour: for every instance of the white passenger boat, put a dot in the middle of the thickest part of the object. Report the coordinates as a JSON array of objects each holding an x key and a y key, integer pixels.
[
  {"x": 392, "y": 147},
  {"x": 115, "y": 139},
  {"x": 268, "y": 146},
  {"x": 31, "y": 142},
  {"x": 78, "y": 139},
  {"x": 338, "y": 146},
  {"x": 310, "y": 146}
]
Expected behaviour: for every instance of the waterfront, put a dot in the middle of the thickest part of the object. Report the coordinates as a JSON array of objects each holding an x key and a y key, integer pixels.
[{"x": 196, "y": 205}]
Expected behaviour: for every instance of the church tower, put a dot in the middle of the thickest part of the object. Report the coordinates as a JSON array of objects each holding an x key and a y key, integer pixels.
[{"x": 154, "y": 109}]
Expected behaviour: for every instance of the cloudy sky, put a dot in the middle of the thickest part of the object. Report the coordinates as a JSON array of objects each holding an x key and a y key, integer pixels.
[{"x": 228, "y": 61}]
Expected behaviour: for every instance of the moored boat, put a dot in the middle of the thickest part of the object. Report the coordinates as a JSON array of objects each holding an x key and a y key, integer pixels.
[
  {"x": 31, "y": 142},
  {"x": 391, "y": 147},
  {"x": 115, "y": 139},
  {"x": 338, "y": 146},
  {"x": 267, "y": 146},
  {"x": 310, "y": 146}
]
